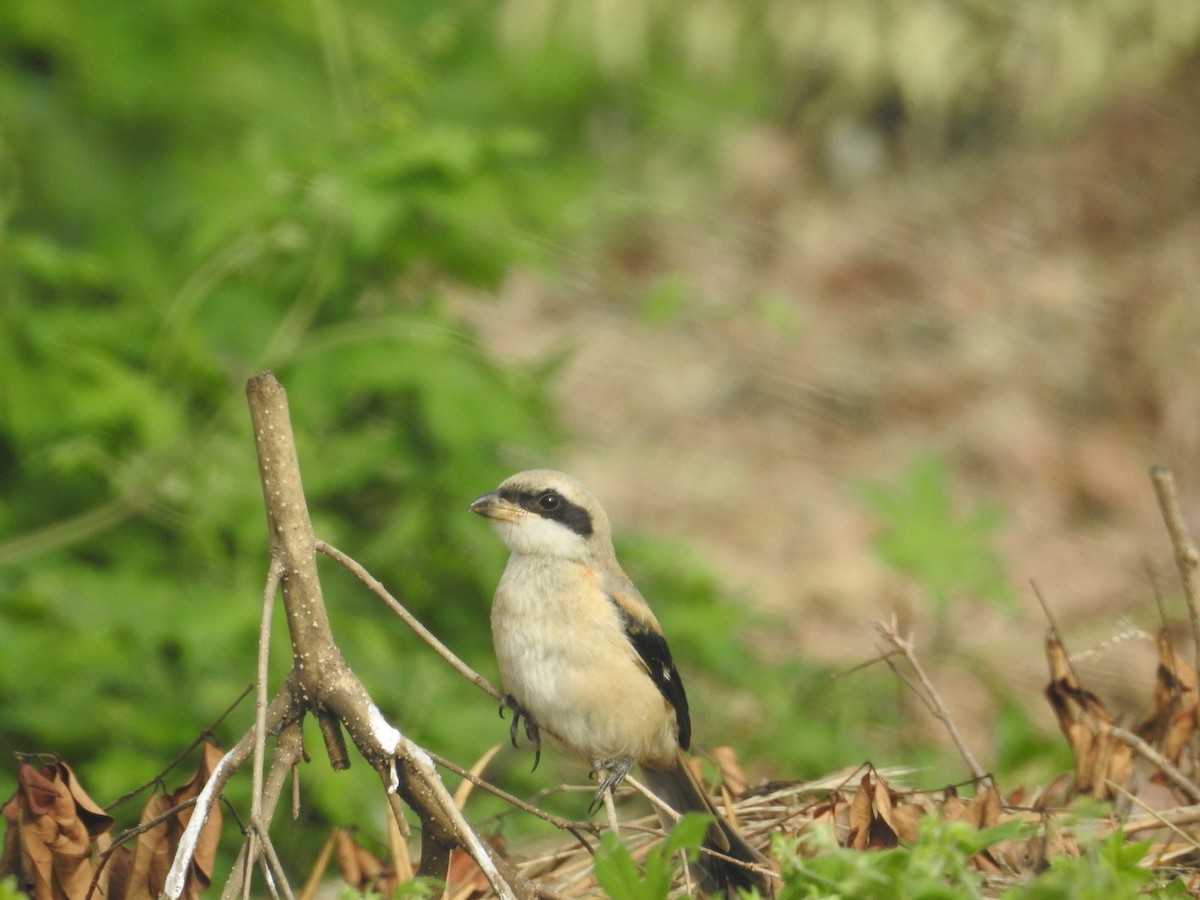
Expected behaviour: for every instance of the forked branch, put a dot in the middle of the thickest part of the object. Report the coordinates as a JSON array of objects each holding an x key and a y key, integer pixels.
[{"x": 322, "y": 683}]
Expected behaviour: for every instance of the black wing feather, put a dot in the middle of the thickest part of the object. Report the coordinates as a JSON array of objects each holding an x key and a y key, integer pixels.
[{"x": 652, "y": 648}]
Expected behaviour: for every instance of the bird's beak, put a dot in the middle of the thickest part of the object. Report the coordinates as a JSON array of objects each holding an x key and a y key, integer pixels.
[{"x": 493, "y": 506}]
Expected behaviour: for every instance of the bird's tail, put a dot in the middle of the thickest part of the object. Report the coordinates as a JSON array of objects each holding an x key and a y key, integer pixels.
[{"x": 680, "y": 790}]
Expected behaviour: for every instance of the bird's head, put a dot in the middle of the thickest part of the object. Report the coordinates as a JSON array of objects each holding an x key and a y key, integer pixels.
[{"x": 546, "y": 513}]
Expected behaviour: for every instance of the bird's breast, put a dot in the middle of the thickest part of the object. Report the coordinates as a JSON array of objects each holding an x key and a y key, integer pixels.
[{"x": 564, "y": 657}]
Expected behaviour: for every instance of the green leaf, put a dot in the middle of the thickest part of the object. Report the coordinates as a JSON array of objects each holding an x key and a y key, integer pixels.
[{"x": 921, "y": 534}]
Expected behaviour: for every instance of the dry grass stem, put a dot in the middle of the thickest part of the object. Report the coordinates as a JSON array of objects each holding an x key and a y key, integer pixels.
[
  {"x": 1186, "y": 556},
  {"x": 375, "y": 586},
  {"x": 1164, "y": 765},
  {"x": 928, "y": 692}
]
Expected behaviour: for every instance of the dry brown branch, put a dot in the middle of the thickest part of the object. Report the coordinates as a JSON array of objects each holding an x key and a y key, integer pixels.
[
  {"x": 289, "y": 750},
  {"x": 1159, "y": 817},
  {"x": 277, "y": 712},
  {"x": 324, "y": 680},
  {"x": 376, "y": 587},
  {"x": 890, "y": 633},
  {"x": 257, "y": 830},
  {"x": 563, "y": 824},
  {"x": 1183, "y": 815},
  {"x": 1164, "y": 765},
  {"x": 1186, "y": 556}
]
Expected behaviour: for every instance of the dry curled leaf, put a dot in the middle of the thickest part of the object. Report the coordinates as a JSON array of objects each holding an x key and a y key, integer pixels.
[
  {"x": 465, "y": 878},
  {"x": 51, "y": 825},
  {"x": 1170, "y": 721},
  {"x": 1100, "y": 759},
  {"x": 140, "y": 874},
  {"x": 870, "y": 812},
  {"x": 360, "y": 868}
]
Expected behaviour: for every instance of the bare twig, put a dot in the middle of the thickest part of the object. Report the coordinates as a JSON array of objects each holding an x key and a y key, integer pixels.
[
  {"x": 858, "y": 667},
  {"x": 905, "y": 646},
  {"x": 257, "y": 826},
  {"x": 180, "y": 866},
  {"x": 1174, "y": 826},
  {"x": 1144, "y": 750},
  {"x": 657, "y": 802},
  {"x": 289, "y": 749},
  {"x": 1186, "y": 556},
  {"x": 376, "y": 587},
  {"x": 1181, "y": 815},
  {"x": 1037, "y": 592},
  {"x": 610, "y": 808},
  {"x": 278, "y": 878},
  {"x": 564, "y": 824}
]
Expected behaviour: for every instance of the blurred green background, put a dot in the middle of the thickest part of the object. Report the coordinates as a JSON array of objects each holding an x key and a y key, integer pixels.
[{"x": 193, "y": 192}]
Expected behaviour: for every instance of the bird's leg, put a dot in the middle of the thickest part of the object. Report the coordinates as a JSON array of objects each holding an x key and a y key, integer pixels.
[
  {"x": 615, "y": 769},
  {"x": 508, "y": 701}
]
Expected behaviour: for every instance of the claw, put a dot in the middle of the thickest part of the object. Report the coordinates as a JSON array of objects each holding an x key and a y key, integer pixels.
[
  {"x": 531, "y": 730},
  {"x": 615, "y": 769}
]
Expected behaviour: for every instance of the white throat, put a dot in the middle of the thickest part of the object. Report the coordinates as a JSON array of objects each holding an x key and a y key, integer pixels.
[{"x": 532, "y": 535}]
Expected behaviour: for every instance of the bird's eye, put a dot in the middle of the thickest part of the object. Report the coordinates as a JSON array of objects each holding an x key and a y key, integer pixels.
[{"x": 549, "y": 501}]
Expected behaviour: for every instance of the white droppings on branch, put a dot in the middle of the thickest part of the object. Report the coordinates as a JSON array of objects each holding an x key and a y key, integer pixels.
[{"x": 387, "y": 736}]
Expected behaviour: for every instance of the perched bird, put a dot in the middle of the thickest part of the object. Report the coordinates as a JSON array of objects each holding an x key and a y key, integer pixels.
[{"x": 582, "y": 656}]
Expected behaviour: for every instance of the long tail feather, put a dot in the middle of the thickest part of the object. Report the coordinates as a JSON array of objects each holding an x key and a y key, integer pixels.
[{"x": 681, "y": 791}]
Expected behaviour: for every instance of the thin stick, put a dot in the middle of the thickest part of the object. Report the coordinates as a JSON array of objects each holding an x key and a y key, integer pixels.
[
  {"x": 1186, "y": 556},
  {"x": 564, "y": 824},
  {"x": 274, "y": 867},
  {"x": 256, "y": 830},
  {"x": 376, "y": 587},
  {"x": 1146, "y": 808},
  {"x": 1181, "y": 781},
  {"x": 905, "y": 646},
  {"x": 858, "y": 667},
  {"x": 1181, "y": 815},
  {"x": 610, "y": 808},
  {"x": 655, "y": 801},
  {"x": 1037, "y": 592}
]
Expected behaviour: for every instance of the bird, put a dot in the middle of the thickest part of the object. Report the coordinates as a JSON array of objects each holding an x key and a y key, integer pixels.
[{"x": 582, "y": 656}]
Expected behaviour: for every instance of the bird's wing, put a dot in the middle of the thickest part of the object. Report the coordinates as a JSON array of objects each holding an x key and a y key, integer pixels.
[{"x": 647, "y": 639}]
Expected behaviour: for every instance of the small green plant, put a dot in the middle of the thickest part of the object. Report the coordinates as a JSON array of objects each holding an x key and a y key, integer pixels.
[
  {"x": 617, "y": 871},
  {"x": 920, "y": 534},
  {"x": 1108, "y": 869},
  {"x": 937, "y": 865}
]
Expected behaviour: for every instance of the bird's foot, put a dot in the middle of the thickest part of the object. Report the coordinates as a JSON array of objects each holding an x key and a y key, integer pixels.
[
  {"x": 508, "y": 701},
  {"x": 615, "y": 769}
]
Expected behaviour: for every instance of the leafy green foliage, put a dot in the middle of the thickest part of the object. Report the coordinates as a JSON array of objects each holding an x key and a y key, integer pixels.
[
  {"x": 922, "y": 535},
  {"x": 936, "y": 865},
  {"x": 1108, "y": 870},
  {"x": 191, "y": 195},
  {"x": 618, "y": 874}
]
